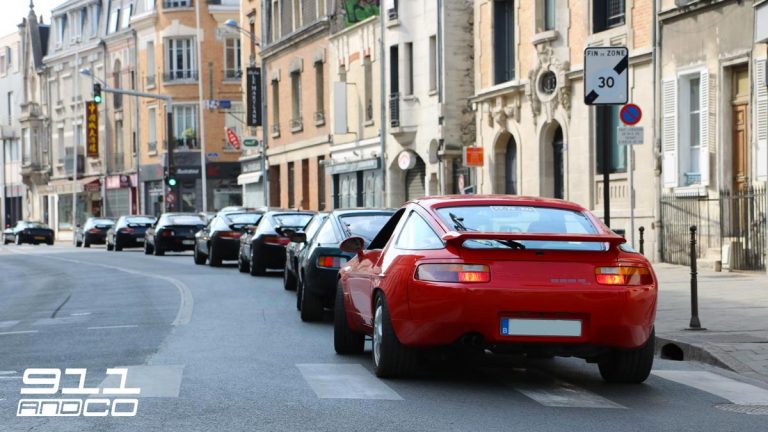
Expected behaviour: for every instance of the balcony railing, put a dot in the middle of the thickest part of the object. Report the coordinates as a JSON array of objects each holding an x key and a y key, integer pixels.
[
  {"x": 182, "y": 75},
  {"x": 118, "y": 163},
  {"x": 233, "y": 74},
  {"x": 185, "y": 144},
  {"x": 175, "y": 4},
  {"x": 392, "y": 14},
  {"x": 150, "y": 80},
  {"x": 692, "y": 178},
  {"x": 394, "y": 110}
]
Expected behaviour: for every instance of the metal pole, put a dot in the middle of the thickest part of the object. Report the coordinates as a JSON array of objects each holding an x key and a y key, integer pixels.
[
  {"x": 631, "y": 196},
  {"x": 607, "y": 183},
  {"x": 201, "y": 127},
  {"x": 74, "y": 157},
  {"x": 642, "y": 241},
  {"x": 264, "y": 166},
  {"x": 383, "y": 106},
  {"x": 695, "y": 323},
  {"x": 169, "y": 137}
]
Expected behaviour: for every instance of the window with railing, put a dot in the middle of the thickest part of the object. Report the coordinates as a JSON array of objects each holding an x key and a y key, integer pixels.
[
  {"x": 179, "y": 60},
  {"x": 152, "y": 129},
  {"x": 232, "y": 60},
  {"x": 296, "y": 122},
  {"x": 185, "y": 127},
  {"x": 174, "y": 4}
]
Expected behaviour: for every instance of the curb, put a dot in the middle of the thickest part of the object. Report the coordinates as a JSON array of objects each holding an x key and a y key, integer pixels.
[{"x": 693, "y": 352}]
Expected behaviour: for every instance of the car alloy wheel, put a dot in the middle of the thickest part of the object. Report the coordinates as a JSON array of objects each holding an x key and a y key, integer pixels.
[
  {"x": 391, "y": 359},
  {"x": 377, "y": 334}
]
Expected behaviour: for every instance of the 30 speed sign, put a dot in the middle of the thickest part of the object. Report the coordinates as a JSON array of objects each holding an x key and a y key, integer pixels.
[{"x": 605, "y": 75}]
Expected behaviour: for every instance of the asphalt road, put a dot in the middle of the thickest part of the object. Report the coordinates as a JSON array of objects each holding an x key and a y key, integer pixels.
[{"x": 213, "y": 349}]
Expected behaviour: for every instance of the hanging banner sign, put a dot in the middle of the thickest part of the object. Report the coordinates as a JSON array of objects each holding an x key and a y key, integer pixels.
[
  {"x": 253, "y": 87},
  {"x": 92, "y": 129}
]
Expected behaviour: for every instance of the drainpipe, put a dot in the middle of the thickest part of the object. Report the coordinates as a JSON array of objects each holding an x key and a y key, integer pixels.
[
  {"x": 383, "y": 106},
  {"x": 263, "y": 85},
  {"x": 656, "y": 62},
  {"x": 136, "y": 122},
  {"x": 201, "y": 109},
  {"x": 439, "y": 78}
]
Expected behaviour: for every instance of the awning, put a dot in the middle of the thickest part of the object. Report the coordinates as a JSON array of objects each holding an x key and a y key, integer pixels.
[
  {"x": 63, "y": 186},
  {"x": 248, "y": 178}
]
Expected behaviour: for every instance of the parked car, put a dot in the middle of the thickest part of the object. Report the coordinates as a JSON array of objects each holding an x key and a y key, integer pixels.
[
  {"x": 263, "y": 248},
  {"x": 505, "y": 274},
  {"x": 173, "y": 232},
  {"x": 297, "y": 245},
  {"x": 322, "y": 259},
  {"x": 220, "y": 239},
  {"x": 128, "y": 232},
  {"x": 208, "y": 216},
  {"x": 94, "y": 231},
  {"x": 28, "y": 232}
]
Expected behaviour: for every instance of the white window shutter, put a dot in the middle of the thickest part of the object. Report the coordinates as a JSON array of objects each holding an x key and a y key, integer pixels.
[
  {"x": 761, "y": 119},
  {"x": 704, "y": 132},
  {"x": 669, "y": 132}
]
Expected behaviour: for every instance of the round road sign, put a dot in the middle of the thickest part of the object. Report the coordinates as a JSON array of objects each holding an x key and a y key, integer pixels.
[{"x": 630, "y": 114}]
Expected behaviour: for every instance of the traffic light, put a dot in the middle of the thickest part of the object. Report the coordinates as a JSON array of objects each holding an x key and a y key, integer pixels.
[
  {"x": 97, "y": 93},
  {"x": 170, "y": 179}
]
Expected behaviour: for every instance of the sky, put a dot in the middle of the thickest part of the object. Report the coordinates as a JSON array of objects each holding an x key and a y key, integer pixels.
[{"x": 13, "y": 11}]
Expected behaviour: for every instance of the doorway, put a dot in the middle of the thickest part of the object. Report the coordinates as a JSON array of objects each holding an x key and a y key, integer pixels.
[{"x": 739, "y": 116}]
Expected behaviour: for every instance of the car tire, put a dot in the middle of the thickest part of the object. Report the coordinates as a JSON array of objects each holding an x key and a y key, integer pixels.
[
  {"x": 158, "y": 251},
  {"x": 86, "y": 244},
  {"x": 49, "y": 242},
  {"x": 311, "y": 307},
  {"x": 109, "y": 246},
  {"x": 198, "y": 257},
  {"x": 345, "y": 341},
  {"x": 241, "y": 266},
  {"x": 117, "y": 247},
  {"x": 299, "y": 291},
  {"x": 5, "y": 241},
  {"x": 628, "y": 366},
  {"x": 17, "y": 240},
  {"x": 256, "y": 269},
  {"x": 391, "y": 359},
  {"x": 214, "y": 260},
  {"x": 147, "y": 248},
  {"x": 289, "y": 280}
]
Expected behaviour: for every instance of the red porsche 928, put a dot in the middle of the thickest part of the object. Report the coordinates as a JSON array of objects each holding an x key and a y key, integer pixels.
[{"x": 534, "y": 276}]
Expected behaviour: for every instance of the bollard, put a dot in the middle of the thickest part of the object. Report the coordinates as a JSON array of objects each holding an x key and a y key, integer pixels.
[
  {"x": 642, "y": 241},
  {"x": 695, "y": 323}
]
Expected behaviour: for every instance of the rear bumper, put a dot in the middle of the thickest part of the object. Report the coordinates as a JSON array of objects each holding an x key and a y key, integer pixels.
[
  {"x": 227, "y": 249},
  {"x": 95, "y": 238},
  {"x": 130, "y": 240},
  {"x": 273, "y": 256},
  {"x": 322, "y": 283},
  {"x": 35, "y": 238},
  {"x": 175, "y": 244},
  {"x": 610, "y": 317}
]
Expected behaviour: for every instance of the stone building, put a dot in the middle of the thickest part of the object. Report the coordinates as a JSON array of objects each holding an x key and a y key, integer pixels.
[{"x": 13, "y": 192}]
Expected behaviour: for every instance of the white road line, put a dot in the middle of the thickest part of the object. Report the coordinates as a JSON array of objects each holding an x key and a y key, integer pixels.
[
  {"x": 18, "y": 332},
  {"x": 186, "y": 301},
  {"x": 7, "y": 372},
  {"x": 112, "y": 327},
  {"x": 59, "y": 321},
  {"x": 80, "y": 314},
  {"x": 561, "y": 394},
  {"x": 735, "y": 391},
  {"x": 10, "y": 377},
  {"x": 8, "y": 324},
  {"x": 153, "y": 380},
  {"x": 345, "y": 381}
]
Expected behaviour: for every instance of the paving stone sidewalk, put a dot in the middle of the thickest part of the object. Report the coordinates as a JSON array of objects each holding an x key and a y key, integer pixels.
[{"x": 733, "y": 307}]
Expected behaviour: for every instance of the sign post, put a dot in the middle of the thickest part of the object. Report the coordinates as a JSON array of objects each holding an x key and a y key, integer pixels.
[
  {"x": 606, "y": 83},
  {"x": 631, "y": 136}
]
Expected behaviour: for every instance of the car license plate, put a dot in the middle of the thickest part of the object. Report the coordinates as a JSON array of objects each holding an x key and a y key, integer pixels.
[
  {"x": 39, "y": 237},
  {"x": 140, "y": 240},
  {"x": 540, "y": 327},
  {"x": 187, "y": 242}
]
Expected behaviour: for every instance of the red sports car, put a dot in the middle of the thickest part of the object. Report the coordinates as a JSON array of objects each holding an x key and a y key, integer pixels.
[{"x": 541, "y": 277}]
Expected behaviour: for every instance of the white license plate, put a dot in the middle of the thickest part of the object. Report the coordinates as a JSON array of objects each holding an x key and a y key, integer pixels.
[
  {"x": 187, "y": 242},
  {"x": 140, "y": 239},
  {"x": 540, "y": 327}
]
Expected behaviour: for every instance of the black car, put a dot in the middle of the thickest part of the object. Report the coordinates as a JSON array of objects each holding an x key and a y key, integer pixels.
[
  {"x": 322, "y": 258},
  {"x": 264, "y": 247},
  {"x": 173, "y": 232},
  {"x": 294, "y": 249},
  {"x": 28, "y": 232},
  {"x": 94, "y": 231},
  {"x": 220, "y": 239},
  {"x": 128, "y": 232}
]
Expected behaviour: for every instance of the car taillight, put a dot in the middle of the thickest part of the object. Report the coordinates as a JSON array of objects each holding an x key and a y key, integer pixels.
[
  {"x": 94, "y": 231},
  {"x": 276, "y": 240},
  {"x": 469, "y": 273},
  {"x": 166, "y": 233},
  {"x": 623, "y": 276},
  {"x": 126, "y": 230},
  {"x": 331, "y": 261},
  {"x": 230, "y": 234}
]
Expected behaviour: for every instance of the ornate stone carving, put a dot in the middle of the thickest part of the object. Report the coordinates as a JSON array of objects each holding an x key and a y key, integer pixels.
[{"x": 540, "y": 101}]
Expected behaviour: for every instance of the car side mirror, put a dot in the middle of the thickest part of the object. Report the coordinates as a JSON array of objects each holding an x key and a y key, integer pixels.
[
  {"x": 353, "y": 245},
  {"x": 295, "y": 236},
  {"x": 250, "y": 228},
  {"x": 279, "y": 231}
]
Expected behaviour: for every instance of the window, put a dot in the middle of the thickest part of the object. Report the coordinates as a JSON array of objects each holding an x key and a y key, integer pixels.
[
  {"x": 180, "y": 60},
  {"x": 233, "y": 120},
  {"x": 80, "y": 27},
  {"x": 321, "y": 8},
  {"x": 275, "y": 21},
  {"x": 62, "y": 29},
  {"x": 432, "y": 63},
  {"x": 150, "y": 64},
  {"x": 232, "y": 61},
  {"x": 694, "y": 137},
  {"x": 607, "y": 122},
  {"x": 127, "y": 16},
  {"x": 3, "y": 62},
  {"x": 119, "y": 146},
  {"x": 296, "y": 14},
  {"x": 114, "y": 20},
  {"x": 291, "y": 185},
  {"x": 408, "y": 69},
  {"x": 368, "y": 72},
  {"x": 276, "y": 107},
  {"x": 503, "y": 41},
  {"x": 94, "y": 20},
  {"x": 172, "y": 4},
  {"x": 321, "y": 182},
  {"x": 117, "y": 98},
  {"x": 152, "y": 129},
  {"x": 319, "y": 93},
  {"x": 185, "y": 126},
  {"x": 607, "y": 14},
  {"x": 548, "y": 14},
  {"x": 394, "y": 65},
  {"x": 326, "y": 234},
  {"x": 418, "y": 235},
  {"x": 693, "y": 129},
  {"x": 149, "y": 4},
  {"x": 10, "y": 108}
]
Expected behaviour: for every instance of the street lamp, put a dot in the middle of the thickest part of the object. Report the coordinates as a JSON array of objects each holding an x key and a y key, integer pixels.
[{"x": 232, "y": 24}]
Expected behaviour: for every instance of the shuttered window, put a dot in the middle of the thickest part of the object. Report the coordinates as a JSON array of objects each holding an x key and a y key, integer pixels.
[
  {"x": 669, "y": 131},
  {"x": 761, "y": 119}
]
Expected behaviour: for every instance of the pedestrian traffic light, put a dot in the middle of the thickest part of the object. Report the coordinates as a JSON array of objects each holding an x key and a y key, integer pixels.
[{"x": 97, "y": 93}]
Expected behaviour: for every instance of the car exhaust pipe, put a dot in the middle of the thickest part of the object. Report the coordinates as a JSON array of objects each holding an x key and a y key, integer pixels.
[{"x": 474, "y": 340}]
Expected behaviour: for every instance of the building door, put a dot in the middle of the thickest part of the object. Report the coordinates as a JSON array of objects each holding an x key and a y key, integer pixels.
[
  {"x": 740, "y": 160},
  {"x": 414, "y": 180},
  {"x": 510, "y": 168},
  {"x": 558, "y": 167}
]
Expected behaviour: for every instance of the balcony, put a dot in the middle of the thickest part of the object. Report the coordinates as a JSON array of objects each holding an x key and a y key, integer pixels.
[
  {"x": 394, "y": 110},
  {"x": 233, "y": 74},
  {"x": 182, "y": 144},
  {"x": 392, "y": 14},
  {"x": 297, "y": 125},
  {"x": 692, "y": 178},
  {"x": 149, "y": 80},
  {"x": 152, "y": 146},
  {"x": 176, "y": 4},
  {"x": 181, "y": 75}
]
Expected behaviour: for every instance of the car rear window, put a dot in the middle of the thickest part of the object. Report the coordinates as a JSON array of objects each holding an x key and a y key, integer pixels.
[
  {"x": 184, "y": 220},
  {"x": 101, "y": 222},
  {"x": 244, "y": 218},
  {"x": 142, "y": 221},
  {"x": 521, "y": 219},
  {"x": 292, "y": 220},
  {"x": 364, "y": 225},
  {"x": 37, "y": 225}
]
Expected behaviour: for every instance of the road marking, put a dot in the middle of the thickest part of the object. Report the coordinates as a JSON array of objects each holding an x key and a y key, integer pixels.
[
  {"x": 153, "y": 380},
  {"x": 186, "y": 301},
  {"x": 18, "y": 332},
  {"x": 112, "y": 327},
  {"x": 10, "y": 377},
  {"x": 735, "y": 391},
  {"x": 345, "y": 381},
  {"x": 58, "y": 321},
  {"x": 561, "y": 394},
  {"x": 7, "y": 372},
  {"x": 8, "y": 324},
  {"x": 80, "y": 314}
]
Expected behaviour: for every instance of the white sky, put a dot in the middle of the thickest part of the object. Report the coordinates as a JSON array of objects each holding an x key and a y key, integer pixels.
[{"x": 13, "y": 11}]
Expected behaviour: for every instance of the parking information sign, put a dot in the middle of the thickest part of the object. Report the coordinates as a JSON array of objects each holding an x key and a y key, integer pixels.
[{"x": 605, "y": 75}]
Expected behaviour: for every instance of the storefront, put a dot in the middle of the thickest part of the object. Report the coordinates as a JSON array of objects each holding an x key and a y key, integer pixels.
[
  {"x": 357, "y": 183},
  {"x": 121, "y": 195},
  {"x": 88, "y": 202},
  {"x": 251, "y": 182}
]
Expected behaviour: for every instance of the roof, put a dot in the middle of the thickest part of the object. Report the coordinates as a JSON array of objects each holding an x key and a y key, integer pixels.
[{"x": 468, "y": 200}]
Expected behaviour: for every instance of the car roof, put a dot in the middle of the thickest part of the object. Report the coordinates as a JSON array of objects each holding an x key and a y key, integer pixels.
[
  {"x": 435, "y": 202},
  {"x": 362, "y": 210}
]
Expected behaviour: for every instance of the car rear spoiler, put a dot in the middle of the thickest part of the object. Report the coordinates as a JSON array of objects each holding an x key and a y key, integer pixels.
[{"x": 458, "y": 238}]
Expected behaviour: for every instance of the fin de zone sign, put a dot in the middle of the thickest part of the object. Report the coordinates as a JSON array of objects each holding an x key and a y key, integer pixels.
[{"x": 92, "y": 129}]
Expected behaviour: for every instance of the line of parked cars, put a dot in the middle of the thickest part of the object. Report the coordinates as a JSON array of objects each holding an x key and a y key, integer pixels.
[{"x": 492, "y": 274}]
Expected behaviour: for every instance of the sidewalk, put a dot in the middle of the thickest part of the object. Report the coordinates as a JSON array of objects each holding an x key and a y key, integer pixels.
[{"x": 733, "y": 307}]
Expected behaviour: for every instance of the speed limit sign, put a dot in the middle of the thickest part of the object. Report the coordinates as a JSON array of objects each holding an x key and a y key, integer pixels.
[{"x": 605, "y": 75}]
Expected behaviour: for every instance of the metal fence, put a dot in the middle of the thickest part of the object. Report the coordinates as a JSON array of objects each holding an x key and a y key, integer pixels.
[{"x": 736, "y": 220}]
